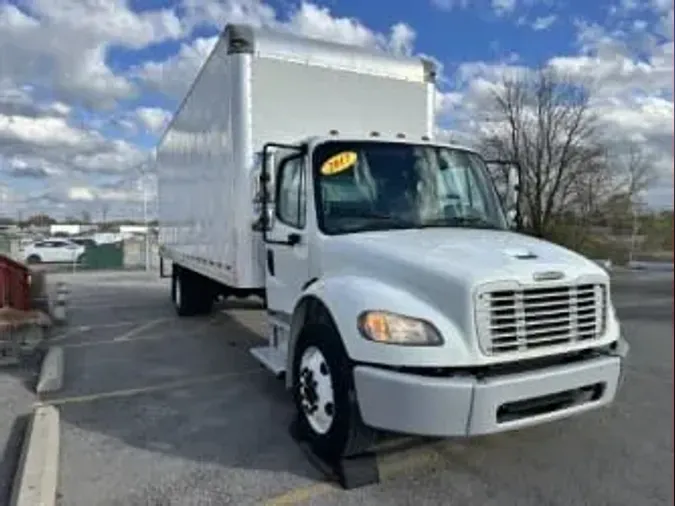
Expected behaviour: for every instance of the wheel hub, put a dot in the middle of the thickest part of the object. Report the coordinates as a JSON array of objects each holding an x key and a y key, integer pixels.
[
  {"x": 178, "y": 295},
  {"x": 316, "y": 390}
]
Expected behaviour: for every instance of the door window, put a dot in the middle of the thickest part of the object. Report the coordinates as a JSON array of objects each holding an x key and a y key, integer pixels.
[{"x": 290, "y": 192}]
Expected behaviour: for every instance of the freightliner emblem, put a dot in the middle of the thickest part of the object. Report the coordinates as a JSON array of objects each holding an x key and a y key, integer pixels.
[{"x": 548, "y": 276}]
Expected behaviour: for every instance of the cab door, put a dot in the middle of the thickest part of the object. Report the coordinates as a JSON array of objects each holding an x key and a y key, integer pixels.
[{"x": 286, "y": 244}]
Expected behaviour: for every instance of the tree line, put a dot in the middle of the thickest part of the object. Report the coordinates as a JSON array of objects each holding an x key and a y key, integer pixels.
[{"x": 575, "y": 176}]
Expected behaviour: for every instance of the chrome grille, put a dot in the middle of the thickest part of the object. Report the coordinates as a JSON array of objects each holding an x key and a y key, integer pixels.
[{"x": 523, "y": 319}]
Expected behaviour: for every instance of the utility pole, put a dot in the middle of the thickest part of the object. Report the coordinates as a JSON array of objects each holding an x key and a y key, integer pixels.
[{"x": 144, "y": 178}]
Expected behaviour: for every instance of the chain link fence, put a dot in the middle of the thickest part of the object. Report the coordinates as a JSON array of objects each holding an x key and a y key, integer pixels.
[
  {"x": 126, "y": 252},
  {"x": 113, "y": 234}
]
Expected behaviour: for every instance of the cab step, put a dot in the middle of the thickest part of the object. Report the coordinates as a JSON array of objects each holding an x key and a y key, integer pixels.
[{"x": 272, "y": 358}]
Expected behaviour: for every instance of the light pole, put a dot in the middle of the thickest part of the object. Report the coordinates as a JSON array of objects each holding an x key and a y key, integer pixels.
[
  {"x": 146, "y": 221},
  {"x": 634, "y": 231}
]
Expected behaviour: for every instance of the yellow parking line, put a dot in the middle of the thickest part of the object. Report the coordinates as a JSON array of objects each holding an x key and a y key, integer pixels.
[
  {"x": 300, "y": 494},
  {"x": 390, "y": 465},
  {"x": 169, "y": 385}
]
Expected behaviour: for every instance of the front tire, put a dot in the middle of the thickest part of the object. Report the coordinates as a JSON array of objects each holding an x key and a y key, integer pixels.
[{"x": 323, "y": 392}]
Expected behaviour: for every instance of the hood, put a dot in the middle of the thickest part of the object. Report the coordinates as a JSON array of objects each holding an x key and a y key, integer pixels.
[{"x": 470, "y": 255}]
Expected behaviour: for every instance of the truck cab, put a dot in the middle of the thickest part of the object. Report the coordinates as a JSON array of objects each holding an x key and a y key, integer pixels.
[{"x": 399, "y": 297}]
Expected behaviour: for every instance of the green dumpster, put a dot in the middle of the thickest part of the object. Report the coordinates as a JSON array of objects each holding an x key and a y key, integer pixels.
[{"x": 104, "y": 256}]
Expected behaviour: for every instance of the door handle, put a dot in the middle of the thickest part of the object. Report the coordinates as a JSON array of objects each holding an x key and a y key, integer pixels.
[
  {"x": 270, "y": 262},
  {"x": 294, "y": 239}
]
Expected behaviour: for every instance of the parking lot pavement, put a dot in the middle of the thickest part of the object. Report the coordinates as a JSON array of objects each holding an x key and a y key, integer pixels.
[{"x": 162, "y": 411}]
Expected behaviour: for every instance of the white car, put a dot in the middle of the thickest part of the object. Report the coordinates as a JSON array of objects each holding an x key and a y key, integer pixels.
[{"x": 53, "y": 251}]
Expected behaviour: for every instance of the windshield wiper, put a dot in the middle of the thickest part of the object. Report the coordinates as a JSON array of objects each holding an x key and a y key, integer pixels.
[
  {"x": 376, "y": 221},
  {"x": 390, "y": 221},
  {"x": 462, "y": 221}
]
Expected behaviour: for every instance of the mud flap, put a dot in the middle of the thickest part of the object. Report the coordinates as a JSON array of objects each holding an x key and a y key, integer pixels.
[{"x": 350, "y": 472}]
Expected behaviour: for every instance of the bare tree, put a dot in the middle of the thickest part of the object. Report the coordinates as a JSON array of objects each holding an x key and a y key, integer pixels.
[
  {"x": 632, "y": 168},
  {"x": 544, "y": 122},
  {"x": 571, "y": 169}
]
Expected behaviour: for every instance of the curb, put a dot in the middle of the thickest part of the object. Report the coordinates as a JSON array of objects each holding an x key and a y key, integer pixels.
[
  {"x": 51, "y": 372},
  {"x": 37, "y": 476}
]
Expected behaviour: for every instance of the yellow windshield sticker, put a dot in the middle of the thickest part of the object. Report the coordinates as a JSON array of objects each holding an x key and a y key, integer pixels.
[{"x": 338, "y": 163}]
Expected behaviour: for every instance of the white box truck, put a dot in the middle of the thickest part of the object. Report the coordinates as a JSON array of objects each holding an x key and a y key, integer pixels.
[{"x": 398, "y": 296}]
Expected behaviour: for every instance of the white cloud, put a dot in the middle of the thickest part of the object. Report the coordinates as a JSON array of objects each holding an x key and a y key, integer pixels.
[
  {"x": 445, "y": 102},
  {"x": 662, "y": 5},
  {"x": 39, "y": 141},
  {"x": 10, "y": 201},
  {"x": 153, "y": 119},
  {"x": 31, "y": 167},
  {"x": 632, "y": 91},
  {"x": 110, "y": 21},
  {"x": 641, "y": 117},
  {"x": 544, "y": 22},
  {"x": 174, "y": 75},
  {"x": 503, "y": 7},
  {"x": 90, "y": 194},
  {"x": 48, "y": 132},
  {"x": 402, "y": 39},
  {"x": 62, "y": 45},
  {"x": 448, "y": 5},
  {"x": 218, "y": 13},
  {"x": 19, "y": 102}
]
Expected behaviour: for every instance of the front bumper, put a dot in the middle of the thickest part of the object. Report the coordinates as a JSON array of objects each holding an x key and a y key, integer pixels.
[{"x": 466, "y": 406}]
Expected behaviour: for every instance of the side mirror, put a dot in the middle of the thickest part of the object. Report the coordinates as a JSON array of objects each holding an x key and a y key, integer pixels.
[
  {"x": 512, "y": 188},
  {"x": 512, "y": 197},
  {"x": 507, "y": 182},
  {"x": 262, "y": 220}
]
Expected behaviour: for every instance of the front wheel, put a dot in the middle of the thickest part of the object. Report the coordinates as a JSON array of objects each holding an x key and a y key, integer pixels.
[{"x": 327, "y": 412}]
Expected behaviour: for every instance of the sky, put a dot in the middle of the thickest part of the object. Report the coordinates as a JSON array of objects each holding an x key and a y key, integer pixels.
[{"x": 87, "y": 86}]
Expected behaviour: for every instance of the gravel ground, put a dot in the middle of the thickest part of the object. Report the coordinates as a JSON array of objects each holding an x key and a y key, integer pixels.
[{"x": 161, "y": 411}]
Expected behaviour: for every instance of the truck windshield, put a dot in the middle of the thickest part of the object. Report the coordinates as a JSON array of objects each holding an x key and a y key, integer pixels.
[{"x": 365, "y": 186}]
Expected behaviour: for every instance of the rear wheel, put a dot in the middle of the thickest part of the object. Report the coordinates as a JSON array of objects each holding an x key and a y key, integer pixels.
[
  {"x": 323, "y": 392},
  {"x": 34, "y": 259},
  {"x": 190, "y": 293}
]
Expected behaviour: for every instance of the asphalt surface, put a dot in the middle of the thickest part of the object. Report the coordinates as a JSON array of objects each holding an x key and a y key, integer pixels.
[{"x": 162, "y": 411}]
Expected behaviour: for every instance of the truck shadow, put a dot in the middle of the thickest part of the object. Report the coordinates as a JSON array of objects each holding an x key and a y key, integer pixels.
[
  {"x": 229, "y": 432},
  {"x": 237, "y": 419}
]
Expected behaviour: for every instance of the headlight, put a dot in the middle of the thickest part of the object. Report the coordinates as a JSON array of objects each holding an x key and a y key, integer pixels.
[{"x": 390, "y": 328}]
